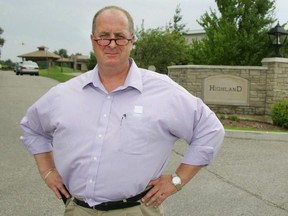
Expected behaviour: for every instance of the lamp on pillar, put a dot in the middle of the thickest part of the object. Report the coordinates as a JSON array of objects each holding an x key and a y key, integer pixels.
[{"x": 277, "y": 36}]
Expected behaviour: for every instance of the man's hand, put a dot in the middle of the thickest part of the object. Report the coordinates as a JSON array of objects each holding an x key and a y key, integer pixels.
[
  {"x": 162, "y": 189},
  {"x": 50, "y": 175},
  {"x": 55, "y": 183}
]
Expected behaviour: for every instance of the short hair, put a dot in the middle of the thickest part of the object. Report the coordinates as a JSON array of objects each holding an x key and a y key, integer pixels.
[{"x": 129, "y": 17}]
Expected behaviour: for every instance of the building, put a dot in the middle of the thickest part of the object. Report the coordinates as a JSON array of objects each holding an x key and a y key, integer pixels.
[
  {"x": 46, "y": 59},
  {"x": 42, "y": 56},
  {"x": 80, "y": 62},
  {"x": 194, "y": 35},
  {"x": 77, "y": 62}
]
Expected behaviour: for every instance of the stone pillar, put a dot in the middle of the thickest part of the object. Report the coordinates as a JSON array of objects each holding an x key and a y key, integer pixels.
[{"x": 277, "y": 82}]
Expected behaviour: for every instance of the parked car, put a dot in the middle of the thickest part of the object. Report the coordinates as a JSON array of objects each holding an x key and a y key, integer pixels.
[
  {"x": 28, "y": 67},
  {"x": 17, "y": 66}
]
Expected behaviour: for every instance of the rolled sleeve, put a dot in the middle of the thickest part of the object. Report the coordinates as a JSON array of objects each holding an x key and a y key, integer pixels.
[
  {"x": 36, "y": 127},
  {"x": 34, "y": 142},
  {"x": 203, "y": 150},
  {"x": 199, "y": 126},
  {"x": 198, "y": 155}
]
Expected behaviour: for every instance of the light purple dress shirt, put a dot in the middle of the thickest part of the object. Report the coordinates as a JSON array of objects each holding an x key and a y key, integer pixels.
[{"x": 108, "y": 146}]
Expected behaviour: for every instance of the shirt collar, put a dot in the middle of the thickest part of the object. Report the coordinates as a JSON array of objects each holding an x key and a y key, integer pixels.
[{"x": 133, "y": 79}]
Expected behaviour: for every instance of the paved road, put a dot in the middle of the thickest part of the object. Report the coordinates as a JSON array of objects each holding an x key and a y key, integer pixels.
[{"x": 248, "y": 178}]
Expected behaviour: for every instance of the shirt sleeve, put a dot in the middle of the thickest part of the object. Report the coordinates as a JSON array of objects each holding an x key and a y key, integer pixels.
[
  {"x": 37, "y": 132},
  {"x": 201, "y": 129},
  {"x": 208, "y": 135}
]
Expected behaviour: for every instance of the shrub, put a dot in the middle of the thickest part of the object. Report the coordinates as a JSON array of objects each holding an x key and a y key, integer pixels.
[
  {"x": 221, "y": 117},
  {"x": 234, "y": 118},
  {"x": 279, "y": 113}
]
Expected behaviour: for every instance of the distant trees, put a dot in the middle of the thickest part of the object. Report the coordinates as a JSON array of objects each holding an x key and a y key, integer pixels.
[
  {"x": 238, "y": 36},
  {"x": 92, "y": 61},
  {"x": 162, "y": 47},
  {"x": 62, "y": 52},
  {"x": 2, "y": 41}
]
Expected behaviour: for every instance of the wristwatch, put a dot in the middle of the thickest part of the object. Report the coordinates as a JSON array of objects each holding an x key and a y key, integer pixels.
[{"x": 176, "y": 181}]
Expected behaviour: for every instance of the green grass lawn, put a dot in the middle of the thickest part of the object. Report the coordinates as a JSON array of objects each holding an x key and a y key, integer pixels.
[
  {"x": 253, "y": 129},
  {"x": 57, "y": 73}
]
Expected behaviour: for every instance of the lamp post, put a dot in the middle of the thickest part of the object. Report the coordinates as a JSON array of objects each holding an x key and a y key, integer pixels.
[{"x": 277, "y": 36}]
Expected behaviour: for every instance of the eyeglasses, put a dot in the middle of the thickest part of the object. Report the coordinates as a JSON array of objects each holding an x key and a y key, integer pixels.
[{"x": 118, "y": 41}]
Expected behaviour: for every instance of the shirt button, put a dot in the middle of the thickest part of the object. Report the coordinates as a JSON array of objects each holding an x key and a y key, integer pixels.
[
  {"x": 100, "y": 135},
  {"x": 91, "y": 181},
  {"x": 109, "y": 97},
  {"x": 94, "y": 158},
  {"x": 105, "y": 115}
]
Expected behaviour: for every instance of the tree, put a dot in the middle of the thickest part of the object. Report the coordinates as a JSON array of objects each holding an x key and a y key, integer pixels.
[
  {"x": 92, "y": 61},
  {"x": 176, "y": 26},
  {"x": 238, "y": 36},
  {"x": 62, "y": 53},
  {"x": 2, "y": 41},
  {"x": 161, "y": 47}
]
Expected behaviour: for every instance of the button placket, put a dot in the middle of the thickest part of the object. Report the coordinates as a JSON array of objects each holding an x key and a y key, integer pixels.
[{"x": 100, "y": 134}]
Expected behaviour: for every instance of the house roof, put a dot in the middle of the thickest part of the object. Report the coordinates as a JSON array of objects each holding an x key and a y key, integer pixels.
[
  {"x": 42, "y": 52},
  {"x": 80, "y": 57}
]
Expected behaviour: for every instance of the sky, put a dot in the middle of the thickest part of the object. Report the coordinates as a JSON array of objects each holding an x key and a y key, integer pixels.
[{"x": 66, "y": 24}]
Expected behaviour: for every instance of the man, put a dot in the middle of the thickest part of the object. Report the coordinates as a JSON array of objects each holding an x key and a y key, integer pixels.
[{"x": 107, "y": 134}]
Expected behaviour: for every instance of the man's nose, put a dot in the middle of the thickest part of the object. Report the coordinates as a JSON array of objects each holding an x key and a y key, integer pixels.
[{"x": 113, "y": 43}]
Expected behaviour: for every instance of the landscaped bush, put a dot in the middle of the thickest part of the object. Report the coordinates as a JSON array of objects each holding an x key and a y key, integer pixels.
[
  {"x": 279, "y": 113},
  {"x": 234, "y": 118}
]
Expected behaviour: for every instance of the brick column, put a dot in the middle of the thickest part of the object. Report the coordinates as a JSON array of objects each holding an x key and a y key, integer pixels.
[{"x": 277, "y": 82}]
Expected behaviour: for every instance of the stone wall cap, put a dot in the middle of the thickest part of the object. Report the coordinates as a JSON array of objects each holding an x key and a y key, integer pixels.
[
  {"x": 230, "y": 67},
  {"x": 275, "y": 59}
]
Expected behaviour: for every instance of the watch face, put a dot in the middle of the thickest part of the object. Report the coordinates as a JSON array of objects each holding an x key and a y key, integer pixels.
[{"x": 176, "y": 180}]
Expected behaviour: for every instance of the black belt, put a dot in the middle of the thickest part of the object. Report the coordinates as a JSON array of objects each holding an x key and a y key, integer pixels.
[{"x": 113, "y": 205}]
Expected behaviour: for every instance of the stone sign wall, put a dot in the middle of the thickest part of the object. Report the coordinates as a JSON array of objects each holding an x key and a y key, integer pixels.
[
  {"x": 225, "y": 89},
  {"x": 245, "y": 91}
]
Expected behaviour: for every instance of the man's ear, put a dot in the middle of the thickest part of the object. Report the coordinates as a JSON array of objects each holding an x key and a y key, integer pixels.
[
  {"x": 132, "y": 42},
  {"x": 133, "y": 39}
]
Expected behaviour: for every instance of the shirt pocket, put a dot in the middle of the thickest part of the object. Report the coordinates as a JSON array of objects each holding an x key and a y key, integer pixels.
[{"x": 134, "y": 134}]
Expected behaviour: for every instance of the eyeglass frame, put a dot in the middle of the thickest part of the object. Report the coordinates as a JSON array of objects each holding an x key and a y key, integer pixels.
[{"x": 113, "y": 39}]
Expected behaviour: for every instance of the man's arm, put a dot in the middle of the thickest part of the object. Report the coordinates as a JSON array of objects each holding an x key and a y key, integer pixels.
[
  {"x": 49, "y": 174},
  {"x": 163, "y": 187}
]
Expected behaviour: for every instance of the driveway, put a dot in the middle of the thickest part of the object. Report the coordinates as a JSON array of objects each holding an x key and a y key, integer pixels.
[{"x": 248, "y": 178}]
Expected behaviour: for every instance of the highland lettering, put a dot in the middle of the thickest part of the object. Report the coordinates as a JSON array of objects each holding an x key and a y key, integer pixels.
[{"x": 225, "y": 89}]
